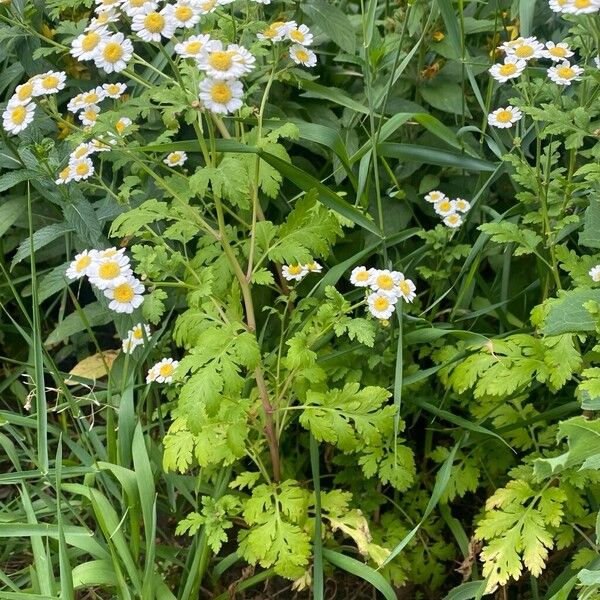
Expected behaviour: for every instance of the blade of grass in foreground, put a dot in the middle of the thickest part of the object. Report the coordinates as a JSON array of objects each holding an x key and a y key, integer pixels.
[{"x": 317, "y": 542}]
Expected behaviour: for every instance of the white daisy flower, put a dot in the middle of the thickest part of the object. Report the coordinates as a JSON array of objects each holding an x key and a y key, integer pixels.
[
  {"x": 503, "y": 118},
  {"x": 381, "y": 305},
  {"x": 111, "y": 253},
  {"x": 185, "y": 13},
  {"x": 565, "y": 73},
  {"x": 85, "y": 46},
  {"x": 221, "y": 97},
  {"x": 138, "y": 333},
  {"x": 151, "y": 26},
  {"x": 595, "y": 273},
  {"x": 91, "y": 97},
  {"x": 453, "y": 220},
  {"x": 175, "y": 159},
  {"x": 406, "y": 289},
  {"x": 207, "y": 6},
  {"x": 299, "y": 34},
  {"x": 23, "y": 93},
  {"x": 444, "y": 207},
  {"x": 275, "y": 32},
  {"x": 17, "y": 117},
  {"x": 102, "y": 19},
  {"x": 113, "y": 90},
  {"x": 524, "y": 48},
  {"x": 361, "y": 276},
  {"x": 122, "y": 124},
  {"x": 81, "y": 169},
  {"x": 136, "y": 337},
  {"x": 559, "y": 5},
  {"x": 511, "y": 67},
  {"x": 99, "y": 146},
  {"x": 557, "y": 52},
  {"x": 162, "y": 372},
  {"x": 80, "y": 264},
  {"x": 460, "y": 205},
  {"x": 597, "y": 61},
  {"x": 384, "y": 281},
  {"x": 90, "y": 115},
  {"x": 49, "y": 83},
  {"x": 435, "y": 196},
  {"x": 109, "y": 270},
  {"x": 581, "y": 7},
  {"x": 193, "y": 46},
  {"x": 314, "y": 267},
  {"x": 102, "y": 5},
  {"x": 65, "y": 176},
  {"x": 303, "y": 56},
  {"x": 81, "y": 151},
  {"x": 135, "y": 7},
  {"x": 232, "y": 63},
  {"x": 125, "y": 296},
  {"x": 75, "y": 104},
  {"x": 294, "y": 272},
  {"x": 114, "y": 53}
]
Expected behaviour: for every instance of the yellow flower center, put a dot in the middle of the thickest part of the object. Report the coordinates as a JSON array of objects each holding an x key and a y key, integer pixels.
[
  {"x": 183, "y": 13},
  {"x": 64, "y": 173},
  {"x": 297, "y": 35},
  {"x": 385, "y": 281},
  {"x": 381, "y": 303},
  {"x": 294, "y": 269},
  {"x": 90, "y": 115},
  {"x": 193, "y": 47},
  {"x": 112, "y": 88},
  {"x": 112, "y": 52},
  {"x": 154, "y": 22},
  {"x": 508, "y": 69},
  {"x": 82, "y": 169},
  {"x": 90, "y": 98},
  {"x": 83, "y": 263},
  {"x": 124, "y": 293},
  {"x": 273, "y": 29},
  {"x": 50, "y": 82},
  {"x": 120, "y": 126},
  {"x": 311, "y": 266},
  {"x": 302, "y": 55},
  {"x": 362, "y": 276},
  {"x": 138, "y": 333},
  {"x": 25, "y": 91},
  {"x": 524, "y": 51},
  {"x": 166, "y": 370},
  {"x": 18, "y": 115},
  {"x": 220, "y": 60},
  {"x": 504, "y": 116},
  {"x": 90, "y": 41},
  {"x": 137, "y": 3},
  {"x": 108, "y": 253},
  {"x": 109, "y": 270},
  {"x": 435, "y": 196},
  {"x": 565, "y": 72},
  {"x": 208, "y": 6},
  {"x": 221, "y": 93},
  {"x": 80, "y": 152},
  {"x": 453, "y": 219},
  {"x": 444, "y": 205},
  {"x": 174, "y": 157},
  {"x": 404, "y": 287},
  {"x": 583, "y": 3},
  {"x": 558, "y": 51}
]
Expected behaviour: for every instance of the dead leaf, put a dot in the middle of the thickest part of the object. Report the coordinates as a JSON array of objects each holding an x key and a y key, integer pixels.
[{"x": 93, "y": 367}]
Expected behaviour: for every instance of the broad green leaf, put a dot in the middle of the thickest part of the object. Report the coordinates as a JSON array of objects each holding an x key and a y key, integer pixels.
[
  {"x": 333, "y": 21},
  {"x": 567, "y": 314},
  {"x": 94, "y": 314},
  {"x": 590, "y": 236}
]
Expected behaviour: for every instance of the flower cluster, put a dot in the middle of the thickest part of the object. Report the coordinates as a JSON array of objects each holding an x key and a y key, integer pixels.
[
  {"x": 162, "y": 372},
  {"x": 520, "y": 51},
  {"x": 386, "y": 288},
  {"x": 20, "y": 109},
  {"x": 450, "y": 210},
  {"x": 299, "y": 35},
  {"x": 575, "y": 7},
  {"x": 297, "y": 272},
  {"x": 136, "y": 336},
  {"x": 109, "y": 270}
]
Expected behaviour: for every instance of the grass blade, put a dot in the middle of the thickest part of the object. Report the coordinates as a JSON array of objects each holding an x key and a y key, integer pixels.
[{"x": 317, "y": 541}]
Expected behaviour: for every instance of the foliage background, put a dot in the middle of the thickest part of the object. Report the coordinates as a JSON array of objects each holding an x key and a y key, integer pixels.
[{"x": 489, "y": 373}]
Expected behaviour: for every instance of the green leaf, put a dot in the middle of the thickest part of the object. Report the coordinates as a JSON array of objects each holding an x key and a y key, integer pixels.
[
  {"x": 445, "y": 96},
  {"x": 153, "y": 307},
  {"x": 567, "y": 313},
  {"x": 506, "y": 232},
  {"x": 133, "y": 221},
  {"x": 333, "y": 21},
  {"x": 590, "y": 236},
  {"x": 10, "y": 211},
  {"x": 41, "y": 238}
]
